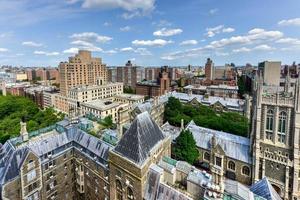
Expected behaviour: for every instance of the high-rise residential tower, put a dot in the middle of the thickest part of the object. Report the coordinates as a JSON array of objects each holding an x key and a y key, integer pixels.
[{"x": 82, "y": 69}]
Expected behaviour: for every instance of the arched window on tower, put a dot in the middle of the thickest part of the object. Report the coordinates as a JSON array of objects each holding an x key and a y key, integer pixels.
[
  {"x": 282, "y": 127},
  {"x": 130, "y": 194},
  {"x": 119, "y": 190},
  {"x": 231, "y": 165},
  {"x": 269, "y": 125}
]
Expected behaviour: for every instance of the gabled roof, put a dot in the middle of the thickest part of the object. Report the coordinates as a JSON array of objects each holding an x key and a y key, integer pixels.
[
  {"x": 234, "y": 146},
  {"x": 265, "y": 189},
  {"x": 139, "y": 139}
]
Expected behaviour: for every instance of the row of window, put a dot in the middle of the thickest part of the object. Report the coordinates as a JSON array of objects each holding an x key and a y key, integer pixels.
[
  {"x": 282, "y": 126},
  {"x": 230, "y": 164}
]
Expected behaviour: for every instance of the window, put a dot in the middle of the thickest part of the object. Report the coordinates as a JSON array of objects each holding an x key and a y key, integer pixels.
[
  {"x": 31, "y": 175},
  {"x": 34, "y": 196},
  {"x": 231, "y": 165},
  {"x": 119, "y": 190},
  {"x": 30, "y": 164},
  {"x": 206, "y": 156},
  {"x": 218, "y": 161},
  {"x": 246, "y": 170},
  {"x": 282, "y": 127},
  {"x": 269, "y": 125},
  {"x": 129, "y": 194}
]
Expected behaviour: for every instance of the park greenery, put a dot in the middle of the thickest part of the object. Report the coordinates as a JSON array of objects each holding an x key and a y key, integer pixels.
[
  {"x": 185, "y": 147},
  {"x": 13, "y": 109},
  {"x": 206, "y": 117},
  {"x": 129, "y": 90}
]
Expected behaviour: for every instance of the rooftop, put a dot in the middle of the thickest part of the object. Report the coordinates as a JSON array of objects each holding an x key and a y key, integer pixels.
[
  {"x": 134, "y": 97},
  {"x": 138, "y": 141},
  {"x": 102, "y": 104}
]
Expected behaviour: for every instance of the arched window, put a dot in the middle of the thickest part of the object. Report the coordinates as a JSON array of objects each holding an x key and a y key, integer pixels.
[
  {"x": 231, "y": 165},
  {"x": 130, "y": 194},
  {"x": 119, "y": 190},
  {"x": 269, "y": 124},
  {"x": 282, "y": 126},
  {"x": 206, "y": 156},
  {"x": 246, "y": 170}
]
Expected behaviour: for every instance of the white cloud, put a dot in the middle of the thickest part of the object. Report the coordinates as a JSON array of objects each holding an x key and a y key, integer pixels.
[
  {"x": 3, "y": 50},
  {"x": 263, "y": 47},
  {"x": 189, "y": 42},
  {"x": 71, "y": 50},
  {"x": 290, "y": 41},
  {"x": 211, "y": 32},
  {"x": 141, "y": 51},
  {"x": 213, "y": 11},
  {"x": 156, "y": 42},
  {"x": 290, "y": 22},
  {"x": 91, "y": 37},
  {"x": 240, "y": 50},
  {"x": 110, "y": 51},
  {"x": 164, "y": 32},
  {"x": 125, "y": 28},
  {"x": 106, "y": 24},
  {"x": 126, "y": 49},
  {"x": 129, "y": 5},
  {"x": 254, "y": 35},
  {"x": 228, "y": 30},
  {"x": 46, "y": 53},
  {"x": 130, "y": 15},
  {"x": 32, "y": 44},
  {"x": 86, "y": 45}
]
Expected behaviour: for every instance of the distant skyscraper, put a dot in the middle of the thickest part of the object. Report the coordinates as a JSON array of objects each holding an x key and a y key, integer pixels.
[
  {"x": 82, "y": 69},
  {"x": 209, "y": 69},
  {"x": 270, "y": 72}
]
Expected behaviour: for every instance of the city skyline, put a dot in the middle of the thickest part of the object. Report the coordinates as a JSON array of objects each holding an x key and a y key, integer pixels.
[{"x": 149, "y": 32}]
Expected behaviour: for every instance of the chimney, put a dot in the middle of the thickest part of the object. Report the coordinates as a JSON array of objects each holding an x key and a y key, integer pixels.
[{"x": 23, "y": 131}]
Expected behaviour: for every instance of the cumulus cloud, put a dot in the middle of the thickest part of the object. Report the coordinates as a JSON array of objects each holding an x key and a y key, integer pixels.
[
  {"x": 253, "y": 35},
  {"x": 3, "y": 50},
  {"x": 32, "y": 44},
  {"x": 290, "y": 41},
  {"x": 86, "y": 45},
  {"x": 211, "y": 32},
  {"x": 90, "y": 37},
  {"x": 140, "y": 51},
  {"x": 54, "y": 53},
  {"x": 125, "y": 28},
  {"x": 164, "y": 32},
  {"x": 129, "y": 5},
  {"x": 156, "y": 42},
  {"x": 290, "y": 22},
  {"x": 188, "y": 42},
  {"x": 72, "y": 50},
  {"x": 240, "y": 50}
]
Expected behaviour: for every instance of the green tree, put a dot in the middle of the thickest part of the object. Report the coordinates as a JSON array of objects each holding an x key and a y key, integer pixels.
[
  {"x": 242, "y": 87},
  {"x": 185, "y": 147},
  {"x": 107, "y": 122}
]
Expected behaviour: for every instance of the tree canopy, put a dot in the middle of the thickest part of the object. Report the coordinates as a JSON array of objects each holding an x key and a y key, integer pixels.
[
  {"x": 205, "y": 116},
  {"x": 13, "y": 109},
  {"x": 185, "y": 147}
]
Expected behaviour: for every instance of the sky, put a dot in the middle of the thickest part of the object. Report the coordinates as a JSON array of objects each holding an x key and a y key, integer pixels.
[{"x": 150, "y": 32}]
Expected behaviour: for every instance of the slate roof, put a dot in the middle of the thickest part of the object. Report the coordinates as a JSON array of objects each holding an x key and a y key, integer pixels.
[
  {"x": 139, "y": 139},
  {"x": 234, "y": 146},
  {"x": 155, "y": 190},
  {"x": 265, "y": 189},
  {"x": 12, "y": 157},
  {"x": 240, "y": 191}
]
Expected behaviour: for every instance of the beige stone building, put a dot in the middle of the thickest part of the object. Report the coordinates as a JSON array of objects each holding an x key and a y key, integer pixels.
[
  {"x": 271, "y": 72},
  {"x": 81, "y": 69},
  {"x": 275, "y": 135}
]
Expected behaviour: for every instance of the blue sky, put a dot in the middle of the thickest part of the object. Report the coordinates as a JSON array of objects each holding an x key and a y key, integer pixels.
[{"x": 150, "y": 32}]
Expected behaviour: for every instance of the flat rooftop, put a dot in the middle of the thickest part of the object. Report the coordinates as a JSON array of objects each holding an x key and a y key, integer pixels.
[
  {"x": 130, "y": 96},
  {"x": 101, "y": 104}
]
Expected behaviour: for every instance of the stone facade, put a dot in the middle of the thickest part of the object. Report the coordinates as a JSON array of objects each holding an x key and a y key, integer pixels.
[{"x": 275, "y": 136}]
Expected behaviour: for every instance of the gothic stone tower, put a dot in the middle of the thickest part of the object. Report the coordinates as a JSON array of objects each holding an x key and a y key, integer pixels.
[{"x": 275, "y": 136}]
